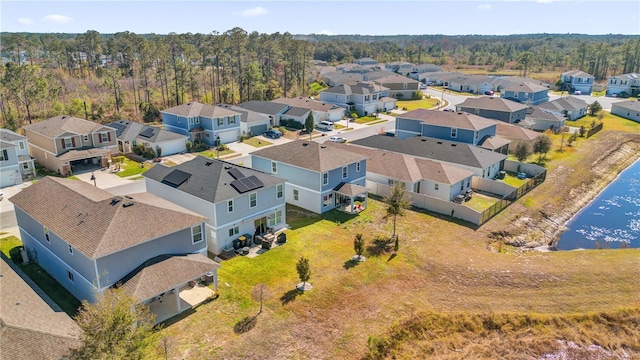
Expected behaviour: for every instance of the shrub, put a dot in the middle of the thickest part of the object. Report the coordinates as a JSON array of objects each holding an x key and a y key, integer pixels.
[
  {"x": 291, "y": 124},
  {"x": 223, "y": 147},
  {"x": 189, "y": 146}
]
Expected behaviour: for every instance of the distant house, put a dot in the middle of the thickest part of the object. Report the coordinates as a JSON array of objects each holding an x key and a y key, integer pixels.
[
  {"x": 628, "y": 84},
  {"x": 297, "y": 114},
  {"x": 15, "y": 162},
  {"x": 202, "y": 122},
  {"x": 526, "y": 93},
  {"x": 421, "y": 176},
  {"x": 513, "y": 132},
  {"x": 494, "y": 108},
  {"x": 399, "y": 67},
  {"x": 252, "y": 123},
  {"x": 571, "y": 107},
  {"x": 274, "y": 110},
  {"x": 419, "y": 71},
  {"x": 31, "y": 328},
  {"x": 400, "y": 87},
  {"x": 131, "y": 134},
  {"x": 90, "y": 240},
  {"x": 474, "y": 84},
  {"x": 366, "y": 61},
  {"x": 353, "y": 68},
  {"x": 627, "y": 109},
  {"x": 363, "y": 97},
  {"x": 65, "y": 143},
  {"x": 339, "y": 78},
  {"x": 235, "y": 200},
  {"x": 482, "y": 162},
  {"x": 322, "y": 111},
  {"x": 319, "y": 178},
  {"x": 540, "y": 119},
  {"x": 577, "y": 80}
]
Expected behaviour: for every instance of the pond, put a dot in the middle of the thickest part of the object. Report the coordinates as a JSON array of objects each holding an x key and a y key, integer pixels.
[{"x": 611, "y": 220}]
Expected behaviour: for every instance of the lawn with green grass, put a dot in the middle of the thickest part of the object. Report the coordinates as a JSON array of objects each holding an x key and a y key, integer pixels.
[
  {"x": 425, "y": 103},
  {"x": 130, "y": 167},
  {"x": 365, "y": 119},
  {"x": 480, "y": 203},
  {"x": 213, "y": 153},
  {"x": 256, "y": 142},
  {"x": 10, "y": 247}
]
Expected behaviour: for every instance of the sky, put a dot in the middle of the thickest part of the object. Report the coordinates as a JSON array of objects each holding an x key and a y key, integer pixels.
[{"x": 370, "y": 17}]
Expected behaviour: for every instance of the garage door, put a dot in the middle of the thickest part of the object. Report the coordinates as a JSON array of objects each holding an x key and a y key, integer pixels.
[
  {"x": 258, "y": 129},
  {"x": 173, "y": 147},
  {"x": 228, "y": 136},
  {"x": 7, "y": 178}
]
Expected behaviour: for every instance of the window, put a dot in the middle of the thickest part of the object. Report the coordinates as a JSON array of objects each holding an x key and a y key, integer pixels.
[
  {"x": 454, "y": 133},
  {"x": 4, "y": 156},
  {"x": 253, "y": 199},
  {"x": 404, "y": 86},
  {"x": 358, "y": 166},
  {"x": 68, "y": 143},
  {"x": 191, "y": 121},
  {"x": 25, "y": 166},
  {"x": 416, "y": 187},
  {"x": 104, "y": 137},
  {"x": 197, "y": 120},
  {"x": 345, "y": 172},
  {"x": 70, "y": 276},
  {"x": 274, "y": 167},
  {"x": 46, "y": 234},
  {"x": 85, "y": 138},
  {"x": 21, "y": 145},
  {"x": 70, "y": 249},
  {"x": 436, "y": 187},
  {"x": 461, "y": 185},
  {"x": 279, "y": 191},
  {"x": 220, "y": 121},
  {"x": 295, "y": 195},
  {"x": 328, "y": 200},
  {"x": 196, "y": 234},
  {"x": 275, "y": 218},
  {"x": 234, "y": 231},
  {"x": 475, "y": 135},
  {"x": 230, "y": 206},
  {"x": 325, "y": 178},
  {"x": 232, "y": 120},
  {"x": 390, "y": 182}
]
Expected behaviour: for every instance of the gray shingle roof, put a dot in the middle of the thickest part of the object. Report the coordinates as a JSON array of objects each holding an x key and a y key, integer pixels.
[
  {"x": 265, "y": 107},
  {"x": 61, "y": 124},
  {"x": 210, "y": 182},
  {"x": 193, "y": 109},
  {"x": 306, "y": 103},
  {"x": 492, "y": 103},
  {"x": 515, "y": 132},
  {"x": 296, "y": 111},
  {"x": 127, "y": 130},
  {"x": 435, "y": 149},
  {"x": 363, "y": 88},
  {"x": 526, "y": 87},
  {"x": 577, "y": 74},
  {"x": 247, "y": 116},
  {"x": 309, "y": 155},
  {"x": 29, "y": 327},
  {"x": 8, "y": 135},
  {"x": 540, "y": 113},
  {"x": 460, "y": 120},
  {"x": 565, "y": 103},
  {"x": 628, "y": 105},
  {"x": 84, "y": 216}
]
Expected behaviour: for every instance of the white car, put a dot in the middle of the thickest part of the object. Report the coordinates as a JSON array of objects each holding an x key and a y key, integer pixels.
[{"x": 338, "y": 139}]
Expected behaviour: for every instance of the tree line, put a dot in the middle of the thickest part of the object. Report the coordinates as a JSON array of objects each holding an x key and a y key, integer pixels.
[{"x": 103, "y": 77}]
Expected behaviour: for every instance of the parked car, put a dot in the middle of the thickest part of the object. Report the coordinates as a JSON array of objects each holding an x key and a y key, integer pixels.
[
  {"x": 338, "y": 139},
  {"x": 273, "y": 134},
  {"x": 423, "y": 86},
  {"x": 489, "y": 92},
  {"x": 390, "y": 133},
  {"x": 325, "y": 125}
]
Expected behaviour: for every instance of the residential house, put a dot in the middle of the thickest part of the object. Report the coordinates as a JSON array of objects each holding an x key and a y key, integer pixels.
[
  {"x": 31, "y": 328},
  {"x": 577, "y": 80},
  {"x": 571, "y": 107},
  {"x": 399, "y": 67},
  {"x": 514, "y": 132},
  {"x": 419, "y": 71},
  {"x": 353, "y": 68},
  {"x": 378, "y": 74},
  {"x": 627, "y": 109},
  {"x": 202, "y": 122},
  {"x": 474, "y": 84},
  {"x": 339, "y": 78},
  {"x": 494, "y": 108},
  {"x": 235, "y": 200},
  {"x": 15, "y": 162},
  {"x": 526, "y": 93},
  {"x": 420, "y": 176},
  {"x": 322, "y": 111},
  {"x": 624, "y": 85},
  {"x": 297, "y": 114},
  {"x": 274, "y": 110},
  {"x": 441, "y": 78},
  {"x": 363, "y": 97},
  {"x": 482, "y": 162},
  {"x": 90, "y": 240},
  {"x": 541, "y": 119},
  {"x": 65, "y": 144},
  {"x": 366, "y": 61},
  {"x": 252, "y": 123},
  {"x": 131, "y": 134},
  {"x": 319, "y": 178},
  {"x": 400, "y": 87}
]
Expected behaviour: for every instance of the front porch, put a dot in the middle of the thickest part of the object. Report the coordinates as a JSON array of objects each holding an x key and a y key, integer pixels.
[
  {"x": 168, "y": 305},
  {"x": 351, "y": 198}
]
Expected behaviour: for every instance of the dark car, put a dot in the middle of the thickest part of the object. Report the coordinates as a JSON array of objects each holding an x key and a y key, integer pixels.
[
  {"x": 273, "y": 134},
  {"x": 489, "y": 92}
]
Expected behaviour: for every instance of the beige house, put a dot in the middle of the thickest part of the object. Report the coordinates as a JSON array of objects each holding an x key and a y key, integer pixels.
[{"x": 65, "y": 144}]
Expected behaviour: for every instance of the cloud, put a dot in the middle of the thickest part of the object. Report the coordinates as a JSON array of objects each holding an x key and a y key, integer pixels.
[
  {"x": 484, "y": 7},
  {"x": 25, "y": 21},
  {"x": 253, "y": 12},
  {"x": 58, "y": 19},
  {"x": 325, "y": 32}
]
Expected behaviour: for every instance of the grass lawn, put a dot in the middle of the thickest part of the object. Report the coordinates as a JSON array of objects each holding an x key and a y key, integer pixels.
[
  {"x": 611, "y": 122},
  {"x": 337, "y": 126},
  {"x": 366, "y": 119},
  {"x": 512, "y": 179},
  {"x": 418, "y": 104},
  {"x": 130, "y": 167},
  {"x": 256, "y": 142},
  {"x": 10, "y": 248},
  {"x": 480, "y": 202},
  {"x": 212, "y": 153}
]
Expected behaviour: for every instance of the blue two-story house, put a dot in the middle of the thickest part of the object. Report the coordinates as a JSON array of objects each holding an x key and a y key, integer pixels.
[
  {"x": 526, "y": 93},
  {"x": 202, "y": 122},
  {"x": 578, "y": 81},
  {"x": 319, "y": 177},
  {"x": 90, "y": 240},
  {"x": 15, "y": 162}
]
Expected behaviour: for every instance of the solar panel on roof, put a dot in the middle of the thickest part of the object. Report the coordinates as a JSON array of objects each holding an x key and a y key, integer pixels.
[
  {"x": 176, "y": 178},
  {"x": 254, "y": 181},
  {"x": 236, "y": 173},
  {"x": 147, "y": 133},
  {"x": 240, "y": 186}
]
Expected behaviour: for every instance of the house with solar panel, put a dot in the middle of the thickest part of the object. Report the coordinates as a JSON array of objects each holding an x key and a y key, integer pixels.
[
  {"x": 624, "y": 85},
  {"x": 90, "y": 240},
  {"x": 131, "y": 134},
  {"x": 319, "y": 178},
  {"x": 237, "y": 201},
  {"x": 202, "y": 122}
]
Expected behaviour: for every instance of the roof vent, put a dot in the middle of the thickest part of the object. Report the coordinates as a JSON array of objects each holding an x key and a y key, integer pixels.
[
  {"x": 226, "y": 167},
  {"x": 63, "y": 117},
  {"x": 127, "y": 204},
  {"x": 128, "y": 197},
  {"x": 453, "y": 144},
  {"x": 439, "y": 142},
  {"x": 305, "y": 144},
  {"x": 424, "y": 139},
  {"x": 114, "y": 201},
  {"x": 208, "y": 163},
  {"x": 323, "y": 146}
]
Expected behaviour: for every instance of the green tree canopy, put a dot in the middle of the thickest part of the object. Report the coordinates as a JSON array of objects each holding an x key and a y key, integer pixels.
[
  {"x": 541, "y": 146},
  {"x": 396, "y": 203},
  {"x": 304, "y": 272},
  {"x": 522, "y": 150}
]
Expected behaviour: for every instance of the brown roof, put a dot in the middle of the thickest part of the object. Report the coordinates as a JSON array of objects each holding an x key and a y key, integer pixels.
[
  {"x": 193, "y": 109},
  {"x": 493, "y": 142},
  {"x": 460, "y": 120},
  {"x": 29, "y": 327},
  {"x": 350, "y": 189},
  {"x": 81, "y": 154},
  {"x": 162, "y": 273},
  {"x": 406, "y": 167},
  {"x": 492, "y": 103},
  {"x": 514, "y": 132},
  {"x": 309, "y": 155},
  {"x": 61, "y": 124},
  {"x": 96, "y": 222}
]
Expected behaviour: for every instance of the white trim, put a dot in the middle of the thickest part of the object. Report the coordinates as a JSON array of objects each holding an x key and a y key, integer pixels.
[
  {"x": 254, "y": 215},
  {"x": 256, "y": 196},
  {"x": 193, "y": 242},
  {"x": 95, "y": 266}
]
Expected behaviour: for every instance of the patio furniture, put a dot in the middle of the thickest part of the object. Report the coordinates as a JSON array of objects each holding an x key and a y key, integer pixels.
[
  {"x": 245, "y": 250},
  {"x": 282, "y": 238},
  {"x": 266, "y": 244}
]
